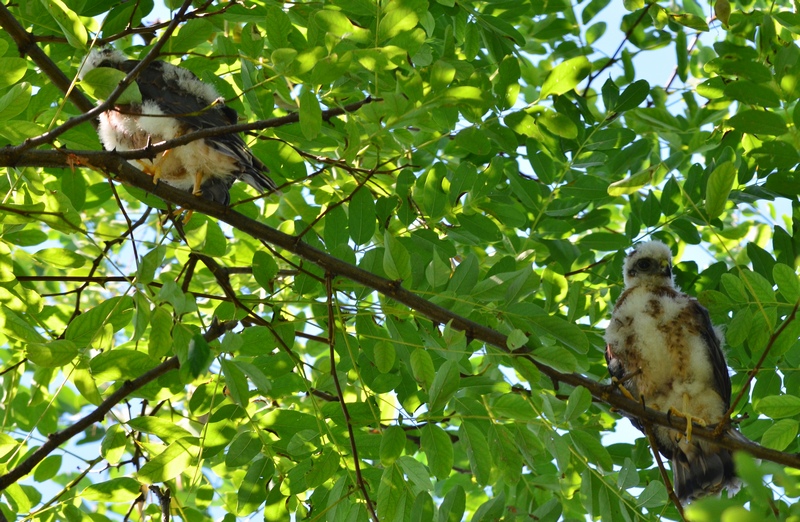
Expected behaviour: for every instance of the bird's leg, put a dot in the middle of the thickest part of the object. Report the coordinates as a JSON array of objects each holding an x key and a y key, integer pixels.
[
  {"x": 196, "y": 191},
  {"x": 157, "y": 165},
  {"x": 198, "y": 180},
  {"x": 687, "y": 416},
  {"x": 619, "y": 383}
]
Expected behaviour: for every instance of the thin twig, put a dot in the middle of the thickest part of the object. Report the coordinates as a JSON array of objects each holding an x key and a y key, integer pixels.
[
  {"x": 332, "y": 343},
  {"x": 648, "y": 429},
  {"x": 613, "y": 58},
  {"x": 54, "y": 440},
  {"x": 752, "y": 373},
  {"x": 163, "y": 501}
]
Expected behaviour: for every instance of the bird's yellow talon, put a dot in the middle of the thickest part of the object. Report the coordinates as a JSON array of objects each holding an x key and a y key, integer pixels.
[{"x": 687, "y": 416}]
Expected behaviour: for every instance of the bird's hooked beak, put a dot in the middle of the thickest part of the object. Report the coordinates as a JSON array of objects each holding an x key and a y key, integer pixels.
[{"x": 666, "y": 268}]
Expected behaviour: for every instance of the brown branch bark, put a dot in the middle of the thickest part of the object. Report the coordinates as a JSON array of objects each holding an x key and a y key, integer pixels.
[
  {"x": 752, "y": 373},
  {"x": 56, "y": 439},
  {"x": 613, "y": 59},
  {"x": 113, "y": 164},
  {"x": 362, "y": 485},
  {"x": 26, "y": 44}
]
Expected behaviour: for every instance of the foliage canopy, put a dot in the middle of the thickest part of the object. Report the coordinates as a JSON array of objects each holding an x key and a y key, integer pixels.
[{"x": 412, "y": 329}]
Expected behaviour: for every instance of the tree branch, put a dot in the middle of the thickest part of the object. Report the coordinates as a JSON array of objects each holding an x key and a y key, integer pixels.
[
  {"x": 348, "y": 421},
  {"x": 56, "y": 439},
  {"x": 752, "y": 373},
  {"x": 26, "y": 44},
  {"x": 112, "y": 163}
]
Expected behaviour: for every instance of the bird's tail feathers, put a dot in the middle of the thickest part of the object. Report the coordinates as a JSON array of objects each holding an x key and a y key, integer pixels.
[{"x": 703, "y": 472}]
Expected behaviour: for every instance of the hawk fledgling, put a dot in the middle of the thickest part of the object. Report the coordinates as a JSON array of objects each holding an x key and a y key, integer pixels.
[
  {"x": 175, "y": 102},
  {"x": 662, "y": 346}
]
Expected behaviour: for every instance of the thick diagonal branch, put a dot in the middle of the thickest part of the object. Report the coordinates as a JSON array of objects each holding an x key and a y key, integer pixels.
[{"x": 112, "y": 163}]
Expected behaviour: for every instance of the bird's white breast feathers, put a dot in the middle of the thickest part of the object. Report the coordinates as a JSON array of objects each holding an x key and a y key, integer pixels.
[{"x": 654, "y": 332}]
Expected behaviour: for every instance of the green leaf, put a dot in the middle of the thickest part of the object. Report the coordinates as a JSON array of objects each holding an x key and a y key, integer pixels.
[
  {"x": 396, "y": 259},
  {"x": 591, "y": 448},
  {"x": 689, "y": 20},
  {"x": 385, "y": 356},
  {"x": 780, "y": 435},
  {"x": 361, "y": 218},
  {"x": 516, "y": 339},
  {"x": 165, "y": 430},
  {"x": 718, "y": 188},
  {"x": 16, "y": 100},
  {"x": 444, "y": 386},
  {"x": 235, "y": 381},
  {"x": 439, "y": 450},
  {"x": 262, "y": 383},
  {"x": 200, "y": 356},
  {"x": 264, "y": 269},
  {"x": 630, "y": 185},
  {"x": 122, "y": 489},
  {"x": 11, "y": 71},
  {"x": 120, "y": 364},
  {"x": 453, "y": 505},
  {"x": 117, "y": 312},
  {"x": 478, "y": 453},
  {"x": 48, "y": 468},
  {"x": 53, "y": 354},
  {"x": 324, "y": 468},
  {"x": 758, "y": 123},
  {"x": 654, "y": 495},
  {"x": 758, "y": 285},
  {"x": 160, "y": 342},
  {"x": 578, "y": 402},
  {"x": 59, "y": 257},
  {"x": 391, "y": 494},
  {"x": 734, "y": 288},
  {"x": 778, "y": 406},
  {"x": 787, "y": 281},
  {"x": 174, "y": 460},
  {"x": 253, "y": 491},
  {"x": 556, "y": 357},
  {"x": 393, "y": 441},
  {"x": 101, "y": 82},
  {"x": 150, "y": 263},
  {"x": 71, "y": 26},
  {"x": 422, "y": 368},
  {"x": 565, "y": 332},
  {"x": 310, "y": 115},
  {"x": 566, "y": 76},
  {"x": 632, "y": 96},
  {"x": 752, "y": 93},
  {"x": 243, "y": 449}
]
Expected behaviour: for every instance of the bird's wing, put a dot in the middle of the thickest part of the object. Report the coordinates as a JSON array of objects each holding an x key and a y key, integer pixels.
[
  {"x": 702, "y": 321},
  {"x": 173, "y": 98}
]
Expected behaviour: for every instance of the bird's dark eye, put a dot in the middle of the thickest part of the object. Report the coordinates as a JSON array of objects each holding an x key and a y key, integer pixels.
[{"x": 644, "y": 264}]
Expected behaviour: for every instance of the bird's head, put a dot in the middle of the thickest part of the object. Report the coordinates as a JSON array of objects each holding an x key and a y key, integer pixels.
[
  {"x": 649, "y": 264},
  {"x": 101, "y": 57}
]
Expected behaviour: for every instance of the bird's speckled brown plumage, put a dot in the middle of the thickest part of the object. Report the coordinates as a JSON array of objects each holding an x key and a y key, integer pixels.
[{"x": 662, "y": 345}]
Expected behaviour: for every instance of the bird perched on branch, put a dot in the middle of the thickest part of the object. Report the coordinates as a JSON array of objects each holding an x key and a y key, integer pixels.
[
  {"x": 174, "y": 102},
  {"x": 663, "y": 350}
]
